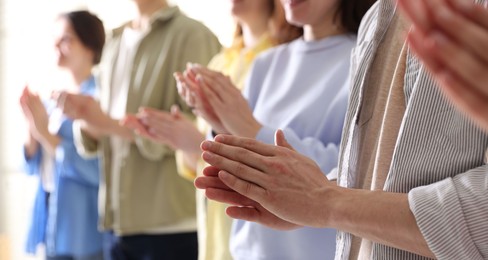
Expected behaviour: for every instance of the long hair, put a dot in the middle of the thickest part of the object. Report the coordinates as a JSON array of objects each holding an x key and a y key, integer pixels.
[{"x": 350, "y": 12}]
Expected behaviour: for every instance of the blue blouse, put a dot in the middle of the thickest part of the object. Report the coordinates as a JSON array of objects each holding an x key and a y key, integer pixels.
[{"x": 67, "y": 223}]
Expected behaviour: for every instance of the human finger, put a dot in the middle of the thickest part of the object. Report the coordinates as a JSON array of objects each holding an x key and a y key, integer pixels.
[
  {"x": 280, "y": 140},
  {"x": 212, "y": 97},
  {"x": 206, "y": 72},
  {"x": 475, "y": 12},
  {"x": 211, "y": 171},
  {"x": 210, "y": 87},
  {"x": 133, "y": 123},
  {"x": 418, "y": 44},
  {"x": 451, "y": 23},
  {"x": 245, "y": 168},
  {"x": 206, "y": 182},
  {"x": 60, "y": 98},
  {"x": 130, "y": 121},
  {"x": 176, "y": 112},
  {"x": 250, "y": 144},
  {"x": 417, "y": 13},
  {"x": 188, "y": 72},
  {"x": 179, "y": 84},
  {"x": 455, "y": 59},
  {"x": 260, "y": 215},
  {"x": 229, "y": 196},
  {"x": 242, "y": 186}
]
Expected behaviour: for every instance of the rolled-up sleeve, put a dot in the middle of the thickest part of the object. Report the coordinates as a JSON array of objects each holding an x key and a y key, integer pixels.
[
  {"x": 86, "y": 146},
  {"x": 32, "y": 163},
  {"x": 453, "y": 215}
]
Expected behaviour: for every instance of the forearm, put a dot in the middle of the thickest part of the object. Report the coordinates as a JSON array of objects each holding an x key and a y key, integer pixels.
[
  {"x": 378, "y": 216},
  {"x": 49, "y": 142},
  {"x": 108, "y": 127}
]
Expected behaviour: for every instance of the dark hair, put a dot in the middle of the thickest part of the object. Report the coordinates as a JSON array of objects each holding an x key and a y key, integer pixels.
[
  {"x": 280, "y": 30},
  {"x": 89, "y": 29},
  {"x": 351, "y": 12}
]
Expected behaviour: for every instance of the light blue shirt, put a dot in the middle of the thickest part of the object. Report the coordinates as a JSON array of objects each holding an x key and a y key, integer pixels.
[
  {"x": 67, "y": 223},
  {"x": 300, "y": 87}
]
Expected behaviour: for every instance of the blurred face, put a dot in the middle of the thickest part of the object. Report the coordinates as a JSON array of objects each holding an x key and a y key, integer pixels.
[
  {"x": 70, "y": 52},
  {"x": 309, "y": 12},
  {"x": 247, "y": 10}
]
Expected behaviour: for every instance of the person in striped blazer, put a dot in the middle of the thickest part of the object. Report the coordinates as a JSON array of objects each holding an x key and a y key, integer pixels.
[
  {"x": 412, "y": 180},
  {"x": 458, "y": 61}
]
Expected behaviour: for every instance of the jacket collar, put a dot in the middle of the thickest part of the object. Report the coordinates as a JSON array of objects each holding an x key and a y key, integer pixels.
[{"x": 160, "y": 16}]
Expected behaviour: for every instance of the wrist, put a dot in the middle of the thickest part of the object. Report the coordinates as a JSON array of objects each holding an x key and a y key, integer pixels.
[
  {"x": 333, "y": 199},
  {"x": 42, "y": 135},
  {"x": 252, "y": 130}
]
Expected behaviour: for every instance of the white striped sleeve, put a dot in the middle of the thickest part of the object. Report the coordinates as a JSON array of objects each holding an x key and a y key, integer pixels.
[{"x": 453, "y": 215}]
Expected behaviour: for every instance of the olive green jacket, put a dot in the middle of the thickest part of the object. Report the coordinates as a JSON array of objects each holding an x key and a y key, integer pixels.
[{"x": 151, "y": 194}]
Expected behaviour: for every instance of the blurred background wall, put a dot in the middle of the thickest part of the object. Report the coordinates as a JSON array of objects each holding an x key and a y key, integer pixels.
[{"x": 25, "y": 58}]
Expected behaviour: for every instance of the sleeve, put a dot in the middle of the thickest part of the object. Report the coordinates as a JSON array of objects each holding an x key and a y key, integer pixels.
[
  {"x": 255, "y": 78},
  {"x": 183, "y": 170},
  {"x": 453, "y": 215},
  {"x": 32, "y": 164},
  {"x": 326, "y": 155},
  {"x": 86, "y": 146},
  {"x": 76, "y": 167},
  {"x": 150, "y": 149}
]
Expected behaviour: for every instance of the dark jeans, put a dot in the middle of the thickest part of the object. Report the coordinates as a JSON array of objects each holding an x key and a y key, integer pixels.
[
  {"x": 182, "y": 246},
  {"x": 98, "y": 256}
]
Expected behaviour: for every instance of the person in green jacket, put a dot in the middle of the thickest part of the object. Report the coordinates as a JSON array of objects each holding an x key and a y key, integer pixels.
[{"x": 147, "y": 210}]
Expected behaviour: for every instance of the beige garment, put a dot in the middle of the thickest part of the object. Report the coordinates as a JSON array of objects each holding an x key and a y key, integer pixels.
[
  {"x": 380, "y": 117},
  {"x": 149, "y": 194},
  {"x": 214, "y": 226}
]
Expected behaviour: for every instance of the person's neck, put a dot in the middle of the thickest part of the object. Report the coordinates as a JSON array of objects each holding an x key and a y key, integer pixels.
[
  {"x": 144, "y": 13},
  {"x": 79, "y": 76},
  {"x": 252, "y": 32},
  {"x": 321, "y": 31}
]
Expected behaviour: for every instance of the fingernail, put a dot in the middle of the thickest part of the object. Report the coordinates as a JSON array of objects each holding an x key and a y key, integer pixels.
[
  {"x": 219, "y": 138},
  {"x": 206, "y": 145},
  {"x": 207, "y": 155},
  {"x": 223, "y": 175}
]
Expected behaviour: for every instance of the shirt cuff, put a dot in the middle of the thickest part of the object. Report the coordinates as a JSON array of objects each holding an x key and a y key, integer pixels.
[
  {"x": 440, "y": 217},
  {"x": 183, "y": 170}
]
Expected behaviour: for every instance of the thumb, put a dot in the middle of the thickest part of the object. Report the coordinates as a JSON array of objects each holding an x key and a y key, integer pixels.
[
  {"x": 280, "y": 140},
  {"x": 175, "y": 111}
]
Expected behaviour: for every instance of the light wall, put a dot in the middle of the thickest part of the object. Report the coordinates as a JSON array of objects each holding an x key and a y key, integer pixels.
[{"x": 25, "y": 58}]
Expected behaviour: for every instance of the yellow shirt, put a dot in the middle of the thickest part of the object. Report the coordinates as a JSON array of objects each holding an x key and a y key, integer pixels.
[{"x": 213, "y": 224}]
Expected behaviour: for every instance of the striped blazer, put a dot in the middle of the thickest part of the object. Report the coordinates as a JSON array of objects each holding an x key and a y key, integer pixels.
[{"x": 437, "y": 159}]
